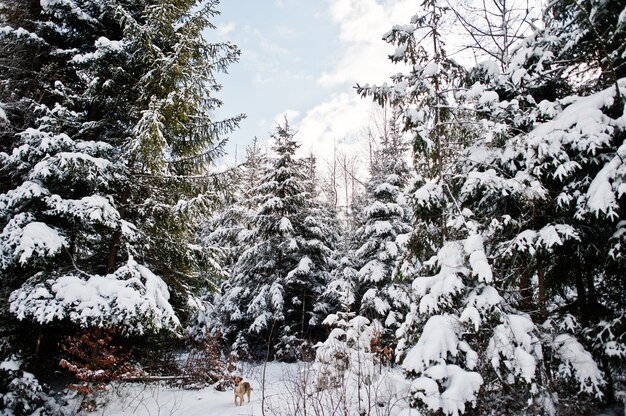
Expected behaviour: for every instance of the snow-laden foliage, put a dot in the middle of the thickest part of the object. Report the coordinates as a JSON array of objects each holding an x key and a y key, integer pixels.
[
  {"x": 108, "y": 132},
  {"x": 21, "y": 394},
  {"x": 227, "y": 228},
  {"x": 273, "y": 296},
  {"x": 133, "y": 298},
  {"x": 469, "y": 340},
  {"x": 562, "y": 238},
  {"x": 465, "y": 339},
  {"x": 355, "y": 365},
  {"x": 523, "y": 156},
  {"x": 369, "y": 281},
  {"x": 348, "y": 351}
]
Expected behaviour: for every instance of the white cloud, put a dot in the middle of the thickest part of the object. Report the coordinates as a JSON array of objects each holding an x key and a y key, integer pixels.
[
  {"x": 290, "y": 115},
  {"x": 338, "y": 120},
  {"x": 272, "y": 48},
  {"x": 225, "y": 28},
  {"x": 362, "y": 24},
  {"x": 285, "y": 32},
  {"x": 338, "y": 123},
  {"x": 343, "y": 117}
]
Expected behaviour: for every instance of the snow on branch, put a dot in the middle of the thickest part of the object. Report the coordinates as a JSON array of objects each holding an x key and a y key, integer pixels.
[
  {"x": 132, "y": 298},
  {"x": 578, "y": 363},
  {"x": 23, "y": 238}
]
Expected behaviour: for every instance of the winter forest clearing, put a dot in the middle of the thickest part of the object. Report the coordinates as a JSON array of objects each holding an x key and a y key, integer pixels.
[
  {"x": 283, "y": 396},
  {"x": 468, "y": 259}
]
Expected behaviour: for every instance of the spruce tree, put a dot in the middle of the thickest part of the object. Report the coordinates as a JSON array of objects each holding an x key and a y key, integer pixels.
[
  {"x": 380, "y": 241},
  {"x": 531, "y": 208},
  {"x": 226, "y": 230},
  {"x": 110, "y": 136},
  {"x": 271, "y": 300}
]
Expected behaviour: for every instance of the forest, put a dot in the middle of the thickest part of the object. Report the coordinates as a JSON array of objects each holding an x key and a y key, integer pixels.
[{"x": 476, "y": 268}]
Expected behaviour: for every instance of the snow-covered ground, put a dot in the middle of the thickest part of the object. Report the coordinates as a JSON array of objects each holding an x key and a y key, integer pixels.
[{"x": 284, "y": 392}]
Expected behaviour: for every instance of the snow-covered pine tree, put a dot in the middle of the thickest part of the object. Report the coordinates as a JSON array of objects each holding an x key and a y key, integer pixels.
[
  {"x": 554, "y": 153},
  {"x": 271, "y": 300},
  {"x": 320, "y": 240},
  {"x": 484, "y": 328},
  {"x": 176, "y": 137},
  {"x": 380, "y": 241},
  {"x": 107, "y": 122},
  {"x": 227, "y": 232},
  {"x": 426, "y": 98},
  {"x": 227, "y": 227}
]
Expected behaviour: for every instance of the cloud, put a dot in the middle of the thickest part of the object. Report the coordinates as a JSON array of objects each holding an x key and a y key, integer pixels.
[
  {"x": 290, "y": 115},
  {"x": 272, "y": 48},
  {"x": 362, "y": 24},
  {"x": 341, "y": 116},
  {"x": 285, "y": 32},
  {"x": 264, "y": 58},
  {"x": 344, "y": 116},
  {"x": 225, "y": 28},
  {"x": 336, "y": 123}
]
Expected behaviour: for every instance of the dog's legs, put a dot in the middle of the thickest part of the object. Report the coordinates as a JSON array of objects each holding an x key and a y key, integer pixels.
[{"x": 248, "y": 395}]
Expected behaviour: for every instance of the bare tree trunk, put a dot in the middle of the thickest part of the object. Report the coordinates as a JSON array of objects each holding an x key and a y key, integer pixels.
[
  {"x": 581, "y": 295},
  {"x": 267, "y": 357}
]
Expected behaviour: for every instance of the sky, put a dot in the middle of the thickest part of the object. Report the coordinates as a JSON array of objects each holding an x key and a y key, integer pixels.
[{"x": 301, "y": 59}]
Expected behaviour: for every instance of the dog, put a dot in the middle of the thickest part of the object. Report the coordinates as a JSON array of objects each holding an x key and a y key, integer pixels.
[{"x": 241, "y": 388}]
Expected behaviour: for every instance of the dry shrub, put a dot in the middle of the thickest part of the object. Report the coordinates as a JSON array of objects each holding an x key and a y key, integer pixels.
[
  {"x": 96, "y": 357},
  {"x": 207, "y": 365}
]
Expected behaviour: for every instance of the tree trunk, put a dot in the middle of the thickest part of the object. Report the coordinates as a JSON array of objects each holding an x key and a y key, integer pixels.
[
  {"x": 541, "y": 296},
  {"x": 116, "y": 238},
  {"x": 583, "y": 310}
]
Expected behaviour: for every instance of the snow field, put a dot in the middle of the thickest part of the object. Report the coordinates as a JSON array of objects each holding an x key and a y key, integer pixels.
[{"x": 285, "y": 388}]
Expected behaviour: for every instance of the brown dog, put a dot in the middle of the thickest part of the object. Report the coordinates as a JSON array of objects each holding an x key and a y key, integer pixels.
[{"x": 241, "y": 388}]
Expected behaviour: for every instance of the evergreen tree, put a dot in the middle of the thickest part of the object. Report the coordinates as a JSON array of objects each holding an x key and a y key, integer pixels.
[
  {"x": 107, "y": 123},
  {"x": 426, "y": 97},
  {"x": 380, "y": 241},
  {"x": 227, "y": 228},
  {"x": 271, "y": 300},
  {"x": 536, "y": 189},
  {"x": 320, "y": 239},
  {"x": 556, "y": 155}
]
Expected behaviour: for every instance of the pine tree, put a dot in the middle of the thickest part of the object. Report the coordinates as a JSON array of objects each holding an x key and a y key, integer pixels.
[
  {"x": 320, "y": 239},
  {"x": 563, "y": 242},
  {"x": 425, "y": 96},
  {"x": 271, "y": 300},
  {"x": 380, "y": 241},
  {"x": 107, "y": 124},
  {"x": 534, "y": 190},
  {"x": 227, "y": 228}
]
